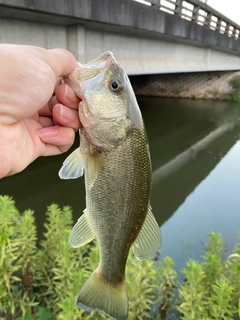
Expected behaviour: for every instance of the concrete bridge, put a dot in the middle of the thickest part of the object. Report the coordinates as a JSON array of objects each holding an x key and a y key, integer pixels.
[{"x": 161, "y": 36}]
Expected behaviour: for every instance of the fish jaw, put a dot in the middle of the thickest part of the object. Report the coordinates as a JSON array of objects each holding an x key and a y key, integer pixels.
[{"x": 89, "y": 71}]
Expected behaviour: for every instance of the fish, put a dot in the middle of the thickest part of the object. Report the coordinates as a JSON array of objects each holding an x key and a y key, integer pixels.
[{"x": 115, "y": 159}]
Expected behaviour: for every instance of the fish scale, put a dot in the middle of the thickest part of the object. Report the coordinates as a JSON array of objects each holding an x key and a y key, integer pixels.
[{"x": 130, "y": 205}]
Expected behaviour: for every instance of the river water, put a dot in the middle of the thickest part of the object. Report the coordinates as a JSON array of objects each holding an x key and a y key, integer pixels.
[{"x": 195, "y": 150}]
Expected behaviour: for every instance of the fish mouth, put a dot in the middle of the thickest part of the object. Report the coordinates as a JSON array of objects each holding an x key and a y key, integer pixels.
[
  {"x": 93, "y": 68},
  {"x": 89, "y": 71},
  {"x": 102, "y": 62}
]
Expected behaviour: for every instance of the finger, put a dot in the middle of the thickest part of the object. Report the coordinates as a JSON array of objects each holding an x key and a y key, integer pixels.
[
  {"x": 51, "y": 150},
  {"x": 58, "y": 82},
  {"x": 66, "y": 96},
  {"x": 66, "y": 117},
  {"x": 45, "y": 121},
  {"x": 62, "y": 62},
  {"x": 46, "y": 111},
  {"x": 57, "y": 139}
]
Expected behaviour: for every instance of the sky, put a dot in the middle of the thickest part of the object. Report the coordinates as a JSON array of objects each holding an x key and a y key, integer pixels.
[{"x": 230, "y": 8}]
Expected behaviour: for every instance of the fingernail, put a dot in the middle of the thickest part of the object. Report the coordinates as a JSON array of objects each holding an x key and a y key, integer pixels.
[
  {"x": 66, "y": 113},
  {"x": 47, "y": 133},
  {"x": 66, "y": 91},
  {"x": 68, "y": 94}
]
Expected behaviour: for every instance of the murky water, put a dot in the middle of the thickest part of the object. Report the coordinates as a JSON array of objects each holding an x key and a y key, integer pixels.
[{"x": 195, "y": 149}]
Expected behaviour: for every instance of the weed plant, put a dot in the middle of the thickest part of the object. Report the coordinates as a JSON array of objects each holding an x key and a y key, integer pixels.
[
  {"x": 41, "y": 283},
  {"x": 234, "y": 82}
]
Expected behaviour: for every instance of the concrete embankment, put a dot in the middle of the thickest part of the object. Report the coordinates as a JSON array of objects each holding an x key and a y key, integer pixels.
[{"x": 199, "y": 85}]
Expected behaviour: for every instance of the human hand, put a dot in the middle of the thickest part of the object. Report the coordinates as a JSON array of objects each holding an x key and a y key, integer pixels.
[{"x": 38, "y": 113}]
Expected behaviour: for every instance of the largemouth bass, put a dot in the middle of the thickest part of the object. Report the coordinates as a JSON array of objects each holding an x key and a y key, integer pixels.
[{"x": 114, "y": 156}]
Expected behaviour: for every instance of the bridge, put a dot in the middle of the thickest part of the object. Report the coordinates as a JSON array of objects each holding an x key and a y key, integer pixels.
[{"x": 160, "y": 36}]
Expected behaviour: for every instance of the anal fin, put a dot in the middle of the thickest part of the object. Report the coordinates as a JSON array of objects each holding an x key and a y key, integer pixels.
[
  {"x": 149, "y": 240},
  {"x": 82, "y": 232}
]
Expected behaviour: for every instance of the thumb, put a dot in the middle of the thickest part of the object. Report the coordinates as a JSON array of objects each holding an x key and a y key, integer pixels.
[{"x": 61, "y": 61}]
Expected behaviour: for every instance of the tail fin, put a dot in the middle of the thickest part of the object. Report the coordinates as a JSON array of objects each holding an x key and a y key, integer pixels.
[{"x": 99, "y": 294}]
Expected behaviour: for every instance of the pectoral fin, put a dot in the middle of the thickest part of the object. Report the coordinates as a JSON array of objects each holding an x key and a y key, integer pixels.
[
  {"x": 73, "y": 166},
  {"x": 82, "y": 232},
  {"x": 149, "y": 240}
]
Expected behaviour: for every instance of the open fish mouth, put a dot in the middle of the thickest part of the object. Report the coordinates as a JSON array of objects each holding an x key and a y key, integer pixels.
[
  {"x": 94, "y": 67},
  {"x": 89, "y": 71},
  {"x": 102, "y": 62}
]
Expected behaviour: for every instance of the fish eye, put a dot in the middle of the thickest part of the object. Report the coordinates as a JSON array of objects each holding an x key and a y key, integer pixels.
[{"x": 116, "y": 86}]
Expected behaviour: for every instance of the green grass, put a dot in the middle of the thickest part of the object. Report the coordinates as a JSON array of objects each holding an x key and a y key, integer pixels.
[{"x": 41, "y": 283}]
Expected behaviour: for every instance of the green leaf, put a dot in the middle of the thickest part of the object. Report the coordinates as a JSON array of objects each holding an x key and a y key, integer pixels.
[
  {"x": 43, "y": 314},
  {"x": 28, "y": 316}
]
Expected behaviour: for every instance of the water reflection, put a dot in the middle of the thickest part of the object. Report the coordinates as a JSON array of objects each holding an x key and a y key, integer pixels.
[
  {"x": 181, "y": 175},
  {"x": 196, "y": 176},
  {"x": 199, "y": 137},
  {"x": 213, "y": 205}
]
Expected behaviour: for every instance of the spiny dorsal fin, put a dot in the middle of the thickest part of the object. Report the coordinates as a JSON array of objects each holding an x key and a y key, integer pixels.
[
  {"x": 149, "y": 240},
  {"x": 82, "y": 232},
  {"x": 73, "y": 166}
]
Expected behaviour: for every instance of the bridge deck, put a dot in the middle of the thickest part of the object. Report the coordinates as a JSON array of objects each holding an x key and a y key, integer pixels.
[{"x": 162, "y": 37}]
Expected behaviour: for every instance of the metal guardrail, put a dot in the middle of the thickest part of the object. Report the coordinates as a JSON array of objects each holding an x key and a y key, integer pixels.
[{"x": 198, "y": 12}]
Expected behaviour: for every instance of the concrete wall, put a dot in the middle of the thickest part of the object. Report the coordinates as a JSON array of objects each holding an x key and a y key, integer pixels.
[{"x": 33, "y": 33}]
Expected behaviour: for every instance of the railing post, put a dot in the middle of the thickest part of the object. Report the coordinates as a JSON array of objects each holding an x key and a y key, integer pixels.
[
  {"x": 219, "y": 23},
  {"x": 178, "y": 7},
  {"x": 155, "y": 3},
  {"x": 227, "y": 29},
  {"x": 208, "y": 18},
  {"x": 195, "y": 13}
]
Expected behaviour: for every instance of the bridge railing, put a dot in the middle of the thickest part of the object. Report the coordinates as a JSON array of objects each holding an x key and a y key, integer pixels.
[{"x": 199, "y": 12}]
